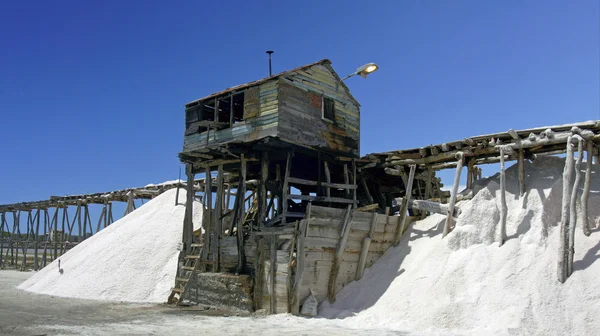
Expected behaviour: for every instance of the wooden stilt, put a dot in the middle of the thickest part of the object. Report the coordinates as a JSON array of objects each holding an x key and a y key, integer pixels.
[
  {"x": 285, "y": 188},
  {"x": 273, "y": 270},
  {"x": 327, "y": 178},
  {"x": 521, "y": 166},
  {"x": 218, "y": 219},
  {"x": 564, "y": 223},
  {"x": 188, "y": 227},
  {"x": 586, "y": 188},
  {"x": 262, "y": 189},
  {"x": 346, "y": 179},
  {"x": 402, "y": 220},
  {"x": 572, "y": 205},
  {"x": 209, "y": 234},
  {"x": 241, "y": 265},
  {"x": 503, "y": 207},
  {"x": 449, "y": 220},
  {"x": 470, "y": 172}
]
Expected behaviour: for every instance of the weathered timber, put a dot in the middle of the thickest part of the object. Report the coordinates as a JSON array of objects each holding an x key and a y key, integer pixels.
[
  {"x": 344, "y": 230},
  {"x": 430, "y": 206},
  {"x": 586, "y": 188},
  {"x": 402, "y": 220},
  {"x": 295, "y": 180},
  {"x": 449, "y": 221},
  {"x": 365, "y": 249},
  {"x": 503, "y": 207},
  {"x": 564, "y": 222},
  {"x": 521, "y": 166},
  {"x": 240, "y": 229},
  {"x": 572, "y": 205}
]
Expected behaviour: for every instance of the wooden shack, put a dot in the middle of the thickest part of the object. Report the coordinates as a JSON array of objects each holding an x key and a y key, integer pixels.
[{"x": 271, "y": 151}]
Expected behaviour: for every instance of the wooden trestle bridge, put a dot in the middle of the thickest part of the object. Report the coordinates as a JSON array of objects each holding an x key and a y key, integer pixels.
[{"x": 32, "y": 234}]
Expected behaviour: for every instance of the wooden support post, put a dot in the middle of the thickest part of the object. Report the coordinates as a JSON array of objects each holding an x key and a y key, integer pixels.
[
  {"x": 327, "y": 178},
  {"x": 291, "y": 263},
  {"x": 262, "y": 189},
  {"x": 521, "y": 166},
  {"x": 209, "y": 234},
  {"x": 2, "y": 223},
  {"x": 401, "y": 227},
  {"x": 35, "y": 241},
  {"x": 503, "y": 207},
  {"x": 241, "y": 265},
  {"x": 259, "y": 273},
  {"x": 564, "y": 223},
  {"x": 586, "y": 188},
  {"x": 449, "y": 220},
  {"x": 300, "y": 256},
  {"x": 218, "y": 219},
  {"x": 360, "y": 268},
  {"x": 272, "y": 270},
  {"x": 339, "y": 252},
  {"x": 130, "y": 203},
  {"x": 572, "y": 206},
  {"x": 366, "y": 188},
  {"x": 470, "y": 172},
  {"x": 102, "y": 217},
  {"x": 285, "y": 188},
  {"x": 429, "y": 186},
  {"x": 354, "y": 183},
  {"x": 78, "y": 218},
  {"x": 346, "y": 179},
  {"x": 188, "y": 227}
]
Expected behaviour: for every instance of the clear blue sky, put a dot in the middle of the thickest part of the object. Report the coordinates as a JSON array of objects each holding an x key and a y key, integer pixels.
[{"x": 92, "y": 94}]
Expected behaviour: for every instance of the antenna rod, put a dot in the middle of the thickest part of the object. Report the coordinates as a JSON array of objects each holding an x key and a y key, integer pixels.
[{"x": 270, "y": 52}]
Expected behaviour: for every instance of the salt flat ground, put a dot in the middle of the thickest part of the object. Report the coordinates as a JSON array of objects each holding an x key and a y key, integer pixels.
[{"x": 25, "y": 313}]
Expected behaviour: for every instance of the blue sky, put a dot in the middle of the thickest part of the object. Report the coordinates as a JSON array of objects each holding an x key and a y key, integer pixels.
[{"x": 92, "y": 94}]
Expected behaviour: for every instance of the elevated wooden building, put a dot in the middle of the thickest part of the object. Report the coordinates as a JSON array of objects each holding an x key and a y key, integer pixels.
[{"x": 272, "y": 150}]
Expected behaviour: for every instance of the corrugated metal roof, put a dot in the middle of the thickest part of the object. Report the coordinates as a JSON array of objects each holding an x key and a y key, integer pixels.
[{"x": 325, "y": 62}]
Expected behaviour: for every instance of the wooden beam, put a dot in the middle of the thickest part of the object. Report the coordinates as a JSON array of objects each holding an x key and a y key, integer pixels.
[
  {"x": 327, "y": 179},
  {"x": 262, "y": 189},
  {"x": 339, "y": 252},
  {"x": 402, "y": 220},
  {"x": 241, "y": 266},
  {"x": 586, "y": 188},
  {"x": 321, "y": 199},
  {"x": 565, "y": 218},
  {"x": 503, "y": 207},
  {"x": 295, "y": 180},
  {"x": 449, "y": 220},
  {"x": 218, "y": 219},
  {"x": 360, "y": 268},
  {"x": 285, "y": 187},
  {"x": 188, "y": 228}
]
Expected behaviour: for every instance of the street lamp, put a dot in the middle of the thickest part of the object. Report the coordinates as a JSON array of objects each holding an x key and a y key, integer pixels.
[{"x": 363, "y": 71}]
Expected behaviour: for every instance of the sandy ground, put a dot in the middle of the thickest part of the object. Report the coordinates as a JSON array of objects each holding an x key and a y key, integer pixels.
[{"x": 24, "y": 313}]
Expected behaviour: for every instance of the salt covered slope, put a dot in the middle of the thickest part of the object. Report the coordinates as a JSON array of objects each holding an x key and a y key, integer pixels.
[
  {"x": 133, "y": 259},
  {"x": 466, "y": 283}
]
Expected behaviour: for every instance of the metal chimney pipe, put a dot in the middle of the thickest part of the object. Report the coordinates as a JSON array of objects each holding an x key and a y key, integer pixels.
[{"x": 270, "y": 71}]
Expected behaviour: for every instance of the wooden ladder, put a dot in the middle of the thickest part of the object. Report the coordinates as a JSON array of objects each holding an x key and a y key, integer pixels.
[{"x": 191, "y": 262}]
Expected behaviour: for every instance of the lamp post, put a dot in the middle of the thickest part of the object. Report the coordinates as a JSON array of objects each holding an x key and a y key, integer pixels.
[{"x": 363, "y": 71}]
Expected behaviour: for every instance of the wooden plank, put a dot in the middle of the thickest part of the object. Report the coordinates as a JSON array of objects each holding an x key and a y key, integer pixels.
[
  {"x": 321, "y": 199},
  {"x": 332, "y": 290},
  {"x": 295, "y": 180},
  {"x": 347, "y": 180}
]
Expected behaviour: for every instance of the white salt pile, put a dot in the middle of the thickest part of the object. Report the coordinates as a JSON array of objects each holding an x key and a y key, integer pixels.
[
  {"x": 133, "y": 259},
  {"x": 467, "y": 284}
]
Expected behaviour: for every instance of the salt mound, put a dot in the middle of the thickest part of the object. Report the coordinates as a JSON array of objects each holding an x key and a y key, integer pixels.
[
  {"x": 466, "y": 283},
  {"x": 134, "y": 259}
]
